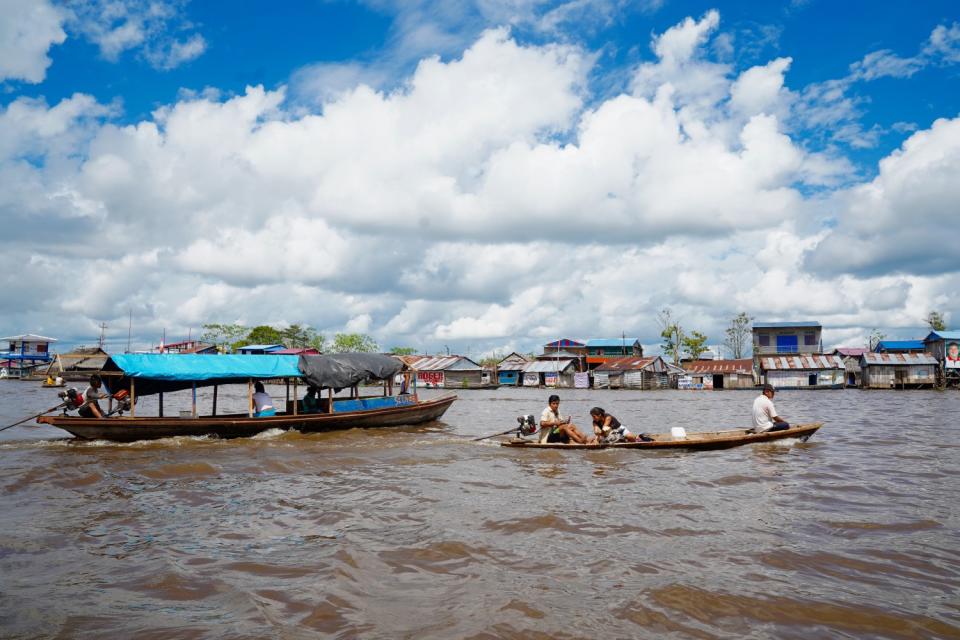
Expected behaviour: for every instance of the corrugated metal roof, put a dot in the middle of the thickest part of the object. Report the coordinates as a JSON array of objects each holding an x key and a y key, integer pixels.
[
  {"x": 899, "y": 345},
  {"x": 547, "y": 366},
  {"x": 890, "y": 359},
  {"x": 851, "y": 352},
  {"x": 785, "y": 325},
  {"x": 934, "y": 335},
  {"x": 558, "y": 354},
  {"x": 801, "y": 362},
  {"x": 512, "y": 366},
  {"x": 612, "y": 342},
  {"x": 440, "y": 363},
  {"x": 563, "y": 342},
  {"x": 262, "y": 347},
  {"x": 720, "y": 366},
  {"x": 634, "y": 363},
  {"x": 29, "y": 337}
]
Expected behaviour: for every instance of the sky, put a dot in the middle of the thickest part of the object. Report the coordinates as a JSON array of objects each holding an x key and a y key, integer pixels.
[{"x": 477, "y": 176}]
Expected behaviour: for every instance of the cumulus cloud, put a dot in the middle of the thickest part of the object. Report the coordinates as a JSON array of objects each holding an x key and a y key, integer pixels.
[
  {"x": 27, "y": 31},
  {"x": 485, "y": 200}
]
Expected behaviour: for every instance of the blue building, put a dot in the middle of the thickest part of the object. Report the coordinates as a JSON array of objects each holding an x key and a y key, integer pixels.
[{"x": 24, "y": 353}]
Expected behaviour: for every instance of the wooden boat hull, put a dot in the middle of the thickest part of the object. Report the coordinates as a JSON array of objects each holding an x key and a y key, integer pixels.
[
  {"x": 698, "y": 441},
  {"x": 128, "y": 429}
]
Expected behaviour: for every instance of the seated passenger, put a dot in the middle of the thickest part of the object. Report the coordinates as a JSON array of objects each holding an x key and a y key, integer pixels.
[
  {"x": 557, "y": 428},
  {"x": 262, "y": 403},
  {"x": 608, "y": 429},
  {"x": 311, "y": 404}
]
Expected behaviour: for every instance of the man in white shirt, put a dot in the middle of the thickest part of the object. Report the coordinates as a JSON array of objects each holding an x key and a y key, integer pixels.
[
  {"x": 765, "y": 416},
  {"x": 556, "y": 428}
]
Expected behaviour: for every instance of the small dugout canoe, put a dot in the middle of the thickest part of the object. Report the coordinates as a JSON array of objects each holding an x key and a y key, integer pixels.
[{"x": 703, "y": 440}]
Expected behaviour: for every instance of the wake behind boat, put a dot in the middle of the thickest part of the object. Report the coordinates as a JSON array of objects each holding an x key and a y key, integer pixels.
[
  {"x": 703, "y": 440},
  {"x": 148, "y": 374}
]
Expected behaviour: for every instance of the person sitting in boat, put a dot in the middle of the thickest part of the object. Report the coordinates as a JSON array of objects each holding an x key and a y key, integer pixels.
[
  {"x": 608, "y": 429},
  {"x": 311, "y": 403},
  {"x": 557, "y": 428},
  {"x": 262, "y": 402},
  {"x": 765, "y": 416},
  {"x": 90, "y": 407}
]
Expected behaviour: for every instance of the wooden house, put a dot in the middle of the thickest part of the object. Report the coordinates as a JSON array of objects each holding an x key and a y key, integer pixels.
[
  {"x": 510, "y": 370},
  {"x": 550, "y": 373},
  {"x": 898, "y": 370},
  {"x": 24, "y": 353},
  {"x": 786, "y": 338},
  {"x": 718, "y": 374},
  {"x": 260, "y": 349},
  {"x": 447, "y": 372},
  {"x": 632, "y": 373},
  {"x": 803, "y": 372},
  {"x": 77, "y": 365},
  {"x": 851, "y": 363},
  {"x": 602, "y": 350}
]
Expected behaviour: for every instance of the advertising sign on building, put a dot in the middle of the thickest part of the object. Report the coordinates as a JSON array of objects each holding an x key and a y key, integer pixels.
[{"x": 953, "y": 355}]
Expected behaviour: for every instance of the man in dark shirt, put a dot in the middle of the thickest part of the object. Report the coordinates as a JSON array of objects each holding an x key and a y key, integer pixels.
[{"x": 90, "y": 407}]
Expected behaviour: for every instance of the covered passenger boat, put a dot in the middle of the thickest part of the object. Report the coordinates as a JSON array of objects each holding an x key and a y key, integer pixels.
[
  {"x": 140, "y": 375},
  {"x": 702, "y": 440}
]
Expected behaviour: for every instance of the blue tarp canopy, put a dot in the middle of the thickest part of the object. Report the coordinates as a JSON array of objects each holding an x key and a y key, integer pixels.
[{"x": 156, "y": 372}]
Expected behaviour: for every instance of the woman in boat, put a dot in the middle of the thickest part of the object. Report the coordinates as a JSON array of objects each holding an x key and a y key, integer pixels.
[
  {"x": 262, "y": 402},
  {"x": 311, "y": 404},
  {"x": 608, "y": 429}
]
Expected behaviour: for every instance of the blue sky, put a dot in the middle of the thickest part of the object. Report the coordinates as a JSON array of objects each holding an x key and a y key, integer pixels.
[{"x": 427, "y": 172}]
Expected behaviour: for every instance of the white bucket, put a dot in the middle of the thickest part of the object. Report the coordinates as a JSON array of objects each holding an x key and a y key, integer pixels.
[
  {"x": 186, "y": 413},
  {"x": 678, "y": 433}
]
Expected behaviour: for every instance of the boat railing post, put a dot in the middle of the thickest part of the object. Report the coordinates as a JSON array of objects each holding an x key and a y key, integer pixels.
[
  {"x": 287, "y": 384},
  {"x": 384, "y": 387},
  {"x": 215, "y": 388},
  {"x": 329, "y": 400},
  {"x": 133, "y": 397},
  {"x": 160, "y": 399},
  {"x": 194, "y": 407},
  {"x": 249, "y": 397},
  {"x": 296, "y": 394}
]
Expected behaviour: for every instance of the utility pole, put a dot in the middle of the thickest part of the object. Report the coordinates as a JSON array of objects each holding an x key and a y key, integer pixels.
[{"x": 103, "y": 329}]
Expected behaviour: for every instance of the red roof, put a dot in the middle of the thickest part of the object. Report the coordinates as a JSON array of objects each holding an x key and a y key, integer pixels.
[
  {"x": 851, "y": 352},
  {"x": 634, "y": 363},
  {"x": 296, "y": 352}
]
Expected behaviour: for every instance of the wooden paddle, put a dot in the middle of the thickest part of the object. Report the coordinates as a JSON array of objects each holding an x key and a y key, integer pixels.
[{"x": 34, "y": 416}]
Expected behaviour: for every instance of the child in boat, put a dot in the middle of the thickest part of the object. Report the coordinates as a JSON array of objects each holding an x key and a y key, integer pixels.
[
  {"x": 608, "y": 429},
  {"x": 262, "y": 403},
  {"x": 556, "y": 428}
]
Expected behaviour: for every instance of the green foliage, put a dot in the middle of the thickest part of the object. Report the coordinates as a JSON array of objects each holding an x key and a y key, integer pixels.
[
  {"x": 223, "y": 335},
  {"x": 302, "y": 336},
  {"x": 738, "y": 335},
  {"x": 354, "y": 342},
  {"x": 672, "y": 334},
  {"x": 695, "y": 344},
  {"x": 936, "y": 321},
  {"x": 874, "y": 339},
  {"x": 262, "y": 334},
  {"x": 402, "y": 351}
]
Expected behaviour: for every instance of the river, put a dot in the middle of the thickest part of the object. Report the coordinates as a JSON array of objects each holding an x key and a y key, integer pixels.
[{"x": 420, "y": 533}]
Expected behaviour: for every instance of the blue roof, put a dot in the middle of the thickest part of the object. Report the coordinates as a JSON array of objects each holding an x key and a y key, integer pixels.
[
  {"x": 191, "y": 367},
  {"x": 899, "y": 345},
  {"x": 611, "y": 342},
  {"x": 262, "y": 347},
  {"x": 943, "y": 335},
  {"x": 784, "y": 325}
]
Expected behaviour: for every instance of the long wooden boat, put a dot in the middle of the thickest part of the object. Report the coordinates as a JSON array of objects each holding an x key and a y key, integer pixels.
[
  {"x": 700, "y": 441},
  {"x": 147, "y": 374}
]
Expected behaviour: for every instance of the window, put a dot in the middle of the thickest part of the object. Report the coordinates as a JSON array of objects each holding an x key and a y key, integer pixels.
[
  {"x": 42, "y": 347},
  {"x": 764, "y": 339},
  {"x": 810, "y": 339}
]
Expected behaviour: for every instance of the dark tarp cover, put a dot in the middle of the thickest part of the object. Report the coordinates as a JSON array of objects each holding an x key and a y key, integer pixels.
[{"x": 343, "y": 370}]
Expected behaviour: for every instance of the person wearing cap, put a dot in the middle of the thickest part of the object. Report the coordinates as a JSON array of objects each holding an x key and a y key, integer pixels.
[
  {"x": 765, "y": 416},
  {"x": 557, "y": 428}
]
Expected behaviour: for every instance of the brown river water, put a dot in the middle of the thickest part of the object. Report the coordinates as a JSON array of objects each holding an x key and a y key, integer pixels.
[{"x": 420, "y": 533}]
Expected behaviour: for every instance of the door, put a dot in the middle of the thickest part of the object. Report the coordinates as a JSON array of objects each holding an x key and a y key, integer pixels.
[
  {"x": 718, "y": 381},
  {"x": 813, "y": 380},
  {"x": 787, "y": 344}
]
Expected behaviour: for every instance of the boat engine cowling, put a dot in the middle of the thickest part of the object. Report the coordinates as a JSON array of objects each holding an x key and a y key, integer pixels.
[
  {"x": 528, "y": 426},
  {"x": 72, "y": 399}
]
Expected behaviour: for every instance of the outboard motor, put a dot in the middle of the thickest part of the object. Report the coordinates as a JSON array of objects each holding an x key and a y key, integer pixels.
[
  {"x": 528, "y": 426},
  {"x": 72, "y": 399}
]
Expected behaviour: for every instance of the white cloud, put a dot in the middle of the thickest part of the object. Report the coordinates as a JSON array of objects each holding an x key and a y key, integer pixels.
[{"x": 27, "y": 31}]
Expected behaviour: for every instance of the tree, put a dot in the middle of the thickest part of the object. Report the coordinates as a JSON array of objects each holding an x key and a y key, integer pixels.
[
  {"x": 402, "y": 351},
  {"x": 738, "y": 335},
  {"x": 223, "y": 335},
  {"x": 359, "y": 342},
  {"x": 936, "y": 321},
  {"x": 694, "y": 344},
  {"x": 302, "y": 336},
  {"x": 874, "y": 339},
  {"x": 672, "y": 334},
  {"x": 262, "y": 334}
]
